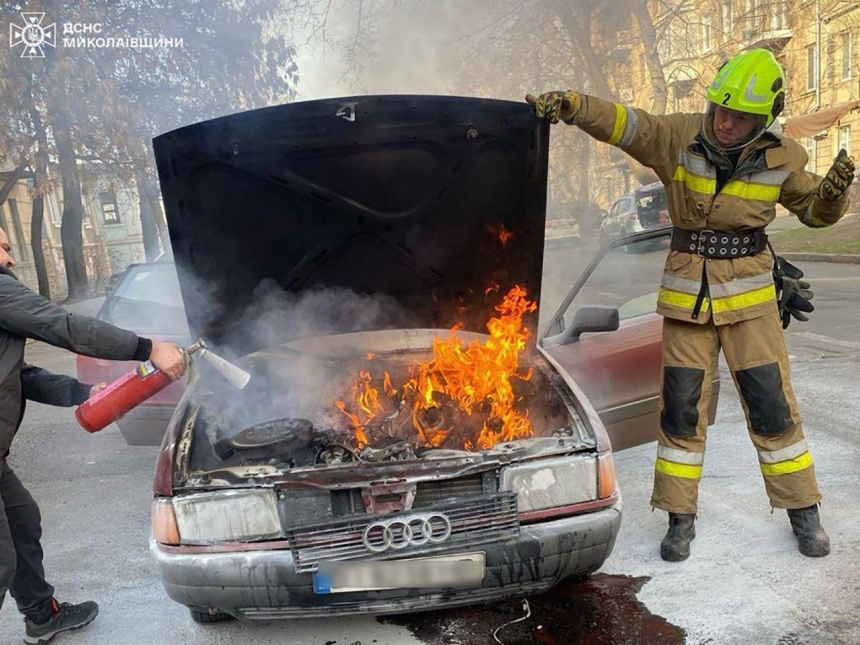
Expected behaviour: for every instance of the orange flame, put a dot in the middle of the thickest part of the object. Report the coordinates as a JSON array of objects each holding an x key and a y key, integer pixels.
[
  {"x": 477, "y": 377},
  {"x": 501, "y": 232}
]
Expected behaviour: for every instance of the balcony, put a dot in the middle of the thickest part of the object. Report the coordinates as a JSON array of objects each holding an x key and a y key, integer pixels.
[{"x": 774, "y": 40}]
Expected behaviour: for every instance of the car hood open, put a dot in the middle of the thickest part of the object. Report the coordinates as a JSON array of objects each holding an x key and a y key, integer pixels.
[{"x": 422, "y": 208}]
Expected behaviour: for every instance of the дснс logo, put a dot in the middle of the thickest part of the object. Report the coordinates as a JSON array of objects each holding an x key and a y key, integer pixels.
[{"x": 33, "y": 35}]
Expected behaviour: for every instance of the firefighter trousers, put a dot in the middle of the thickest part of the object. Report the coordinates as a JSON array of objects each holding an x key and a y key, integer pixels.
[{"x": 757, "y": 357}]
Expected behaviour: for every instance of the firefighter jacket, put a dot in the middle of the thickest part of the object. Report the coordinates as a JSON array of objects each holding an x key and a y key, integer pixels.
[
  {"x": 680, "y": 149},
  {"x": 25, "y": 314}
]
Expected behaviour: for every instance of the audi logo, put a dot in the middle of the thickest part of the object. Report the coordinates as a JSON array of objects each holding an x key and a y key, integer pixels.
[{"x": 401, "y": 532}]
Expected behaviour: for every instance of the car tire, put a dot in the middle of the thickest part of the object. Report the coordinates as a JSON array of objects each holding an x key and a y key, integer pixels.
[{"x": 204, "y": 617}]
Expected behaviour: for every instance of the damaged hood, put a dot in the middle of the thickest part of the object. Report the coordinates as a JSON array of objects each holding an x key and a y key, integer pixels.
[{"x": 433, "y": 206}]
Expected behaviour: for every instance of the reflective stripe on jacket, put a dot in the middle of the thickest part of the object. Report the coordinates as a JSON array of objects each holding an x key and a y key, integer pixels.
[{"x": 770, "y": 171}]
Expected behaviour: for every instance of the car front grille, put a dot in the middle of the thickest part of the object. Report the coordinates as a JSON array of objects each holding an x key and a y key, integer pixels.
[
  {"x": 427, "y": 493},
  {"x": 430, "y": 493},
  {"x": 474, "y": 521}
]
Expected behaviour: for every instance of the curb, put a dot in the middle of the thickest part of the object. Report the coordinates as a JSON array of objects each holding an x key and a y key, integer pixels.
[{"x": 840, "y": 258}]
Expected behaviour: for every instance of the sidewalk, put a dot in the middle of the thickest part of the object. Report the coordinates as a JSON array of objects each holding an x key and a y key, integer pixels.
[
  {"x": 841, "y": 258},
  {"x": 789, "y": 222}
]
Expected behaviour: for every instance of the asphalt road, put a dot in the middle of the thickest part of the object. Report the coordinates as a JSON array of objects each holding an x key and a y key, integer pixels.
[{"x": 745, "y": 582}]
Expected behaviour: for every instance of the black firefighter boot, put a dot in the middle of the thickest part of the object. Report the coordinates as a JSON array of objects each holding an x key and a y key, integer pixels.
[
  {"x": 675, "y": 547},
  {"x": 811, "y": 538}
]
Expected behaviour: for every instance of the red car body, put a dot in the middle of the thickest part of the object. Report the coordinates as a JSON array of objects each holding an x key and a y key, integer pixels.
[{"x": 147, "y": 301}]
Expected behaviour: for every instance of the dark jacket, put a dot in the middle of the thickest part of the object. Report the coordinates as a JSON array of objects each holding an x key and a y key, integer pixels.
[{"x": 25, "y": 314}]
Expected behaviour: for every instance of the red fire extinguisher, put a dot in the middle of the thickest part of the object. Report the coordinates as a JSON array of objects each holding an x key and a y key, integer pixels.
[{"x": 128, "y": 391}]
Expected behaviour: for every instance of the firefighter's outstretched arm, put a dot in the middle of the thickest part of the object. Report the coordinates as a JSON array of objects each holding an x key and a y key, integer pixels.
[{"x": 651, "y": 140}]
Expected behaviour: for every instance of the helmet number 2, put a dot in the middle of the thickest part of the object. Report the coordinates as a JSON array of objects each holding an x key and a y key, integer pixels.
[{"x": 726, "y": 100}]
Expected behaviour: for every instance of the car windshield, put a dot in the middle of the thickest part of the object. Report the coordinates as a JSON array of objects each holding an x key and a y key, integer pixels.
[{"x": 147, "y": 300}]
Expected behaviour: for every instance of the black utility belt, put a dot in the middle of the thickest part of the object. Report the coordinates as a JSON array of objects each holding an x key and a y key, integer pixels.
[{"x": 719, "y": 244}]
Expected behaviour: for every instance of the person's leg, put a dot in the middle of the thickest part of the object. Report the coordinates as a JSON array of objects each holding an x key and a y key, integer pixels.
[
  {"x": 689, "y": 363},
  {"x": 29, "y": 588},
  {"x": 7, "y": 546},
  {"x": 756, "y": 353},
  {"x": 44, "y": 616},
  {"x": 690, "y": 354}
]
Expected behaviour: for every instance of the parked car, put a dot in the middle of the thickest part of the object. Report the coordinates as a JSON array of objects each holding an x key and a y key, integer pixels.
[
  {"x": 621, "y": 218},
  {"x": 652, "y": 208},
  {"x": 404, "y": 442},
  {"x": 146, "y": 299},
  {"x": 645, "y": 208}
]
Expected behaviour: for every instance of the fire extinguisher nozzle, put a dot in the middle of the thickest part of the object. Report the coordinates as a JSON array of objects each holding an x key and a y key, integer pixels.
[
  {"x": 199, "y": 346},
  {"x": 236, "y": 376}
]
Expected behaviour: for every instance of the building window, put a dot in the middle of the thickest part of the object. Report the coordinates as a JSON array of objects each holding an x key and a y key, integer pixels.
[
  {"x": 847, "y": 54},
  {"x": 707, "y": 36},
  {"x": 86, "y": 219},
  {"x": 109, "y": 209},
  {"x": 19, "y": 250},
  {"x": 844, "y": 139},
  {"x": 53, "y": 210},
  {"x": 728, "y": 21},
  {"x": 812, "y": 67},
  {"x": 777, "y": 15},
  {"x": 752, "y": 9},
  {"x": 811, "y": 147}
]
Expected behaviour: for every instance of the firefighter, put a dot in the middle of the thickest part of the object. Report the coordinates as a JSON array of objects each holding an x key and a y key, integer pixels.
[
  {"x": 25, "y": 314},
  {"x": 724, "y": 172}
]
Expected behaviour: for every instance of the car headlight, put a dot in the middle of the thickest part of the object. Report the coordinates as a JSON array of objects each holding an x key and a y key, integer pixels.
[
  {"x": 227, "y": 516},
  {"x": 551, "y": 483}
]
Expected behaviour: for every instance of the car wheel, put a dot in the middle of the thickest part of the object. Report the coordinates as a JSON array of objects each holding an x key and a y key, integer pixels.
[{"x": 204, "y": 617}]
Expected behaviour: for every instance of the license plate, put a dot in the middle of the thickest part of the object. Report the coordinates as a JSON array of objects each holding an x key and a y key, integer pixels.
[{"x": 463, "y": 570}]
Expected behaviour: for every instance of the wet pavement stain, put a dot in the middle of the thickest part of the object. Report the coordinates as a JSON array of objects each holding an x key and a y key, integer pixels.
[{"x": 601, "y": 610}]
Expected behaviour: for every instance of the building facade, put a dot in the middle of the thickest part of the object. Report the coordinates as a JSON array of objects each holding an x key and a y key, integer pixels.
[{"x": 111, "y": 232}]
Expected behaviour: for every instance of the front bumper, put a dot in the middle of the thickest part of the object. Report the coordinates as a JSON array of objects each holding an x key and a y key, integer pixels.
[{"x": 262, "y": 585}]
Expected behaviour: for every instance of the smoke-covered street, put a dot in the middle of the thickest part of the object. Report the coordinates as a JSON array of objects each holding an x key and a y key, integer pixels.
[{"x": 94, "y": 492}]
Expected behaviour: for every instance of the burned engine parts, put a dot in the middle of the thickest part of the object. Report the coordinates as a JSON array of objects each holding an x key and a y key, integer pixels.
[
  {"x": 333, "y": 454},
  {"x": 278, "y": 440}
]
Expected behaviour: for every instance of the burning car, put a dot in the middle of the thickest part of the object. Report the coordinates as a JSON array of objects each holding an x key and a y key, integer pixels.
[{"x": 404, "y": 442}]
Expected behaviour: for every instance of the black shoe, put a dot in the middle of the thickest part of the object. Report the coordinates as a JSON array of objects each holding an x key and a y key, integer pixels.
[
  {"x": 66, "y": 617},
  {"x": 812, "y": 541},
  {"x": 675, "y": 547}
]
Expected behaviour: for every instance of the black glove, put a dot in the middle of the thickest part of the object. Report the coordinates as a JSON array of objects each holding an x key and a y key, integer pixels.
[
  {"x": 792, "y": 293},
  {"x": 556, "y": 105},
  {"x": 838, "y": 178}
]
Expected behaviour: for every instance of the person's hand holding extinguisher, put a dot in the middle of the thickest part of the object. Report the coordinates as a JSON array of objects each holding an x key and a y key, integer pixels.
[
  {"x": 97, "y": 388},
  {"x": 169, "y": 358}
]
